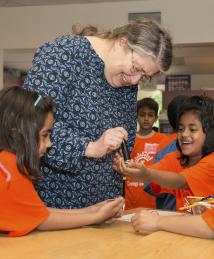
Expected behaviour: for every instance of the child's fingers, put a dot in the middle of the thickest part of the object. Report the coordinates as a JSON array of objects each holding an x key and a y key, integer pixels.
[
  {"x": 199, "y": 209},
  {"x": 117, "y": 201},
  {"x": 133, "y": 164},
  {"x": 129, "y": 170}
]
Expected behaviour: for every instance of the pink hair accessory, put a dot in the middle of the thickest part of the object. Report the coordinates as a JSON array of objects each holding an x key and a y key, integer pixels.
[{"x": 7, "y": 173}]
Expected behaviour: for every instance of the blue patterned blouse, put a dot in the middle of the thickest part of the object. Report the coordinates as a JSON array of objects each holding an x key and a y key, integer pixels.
[{"x": 69, "y": 70}]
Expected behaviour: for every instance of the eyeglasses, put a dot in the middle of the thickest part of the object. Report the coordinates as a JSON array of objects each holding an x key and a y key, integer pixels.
[{"x": 144, "y": 77}]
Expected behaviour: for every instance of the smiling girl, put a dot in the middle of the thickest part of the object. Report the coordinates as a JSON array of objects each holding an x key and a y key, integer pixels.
[{"x": 191, "y": 170}]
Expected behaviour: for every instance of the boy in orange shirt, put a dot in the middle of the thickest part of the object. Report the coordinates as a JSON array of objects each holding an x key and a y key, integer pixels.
[
  {"x": 145, "y": 148},
  {"x": 26, "y": 119}
]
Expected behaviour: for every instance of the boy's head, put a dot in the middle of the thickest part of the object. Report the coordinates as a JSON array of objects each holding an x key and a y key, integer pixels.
[{"x": 147, "y": 113}]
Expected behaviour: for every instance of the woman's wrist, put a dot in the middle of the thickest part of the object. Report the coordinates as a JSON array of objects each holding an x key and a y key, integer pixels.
[{"x": 91, "y": 150}]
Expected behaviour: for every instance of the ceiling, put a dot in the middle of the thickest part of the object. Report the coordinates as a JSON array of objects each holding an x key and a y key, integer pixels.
[{"x": 17, "y": 3}]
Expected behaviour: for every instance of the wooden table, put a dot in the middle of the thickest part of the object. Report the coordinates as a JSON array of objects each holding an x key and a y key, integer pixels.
[{"x": 115, "y": 241}]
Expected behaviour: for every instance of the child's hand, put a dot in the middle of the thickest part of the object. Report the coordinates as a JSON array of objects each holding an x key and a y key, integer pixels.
[
  {"x": 197, "y": 205},
  {"x": 199, "y": 209},
  {"x": 145, "y": 222},
  {"x": 110, "y": 209},
  {"x": 134, "y": 170},
  {"x": 95, "y": 207}
]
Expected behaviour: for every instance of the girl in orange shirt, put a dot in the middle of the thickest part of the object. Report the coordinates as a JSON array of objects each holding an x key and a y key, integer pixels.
[
  {"x": 188, "y": 173},
  {"x": 26, "y": 119}
]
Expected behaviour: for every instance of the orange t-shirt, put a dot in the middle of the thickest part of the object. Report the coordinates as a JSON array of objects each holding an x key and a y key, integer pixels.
[
  {"x": 208, "y": 217},
  {"x": 143, "y": 152},
  {"x": 167, "y": 140},
  {"x": 200, "y": 177},
  {"x": 21, "y": 209}
]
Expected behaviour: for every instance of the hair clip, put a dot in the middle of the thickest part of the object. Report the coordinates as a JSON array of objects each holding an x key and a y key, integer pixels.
[
  {"x": 37, "y": 100},
  {"x": 7, "y": 173}
]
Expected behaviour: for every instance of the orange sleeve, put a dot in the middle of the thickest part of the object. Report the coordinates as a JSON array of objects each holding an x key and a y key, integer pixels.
[
  {"x": 169, "y": 163},
  {"x": 21, "y": 208},
  {"x": 200, "y": 177},
  {"x": 208, "y": 217}
]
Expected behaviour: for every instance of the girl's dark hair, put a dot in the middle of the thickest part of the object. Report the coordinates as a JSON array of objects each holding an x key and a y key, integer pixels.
[
  {"x": 144, "y": 36},
  {"x": 203, "y": 107},
  {"x": 148, "y": 102},
  {"x": 174, "y": 108},
  {"x": 21, "y": 120}
]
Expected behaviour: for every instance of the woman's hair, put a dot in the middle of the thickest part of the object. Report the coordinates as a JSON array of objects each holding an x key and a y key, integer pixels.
[
  {"x": 203, "y": 108},
  {"x": 145, "y": 37},
  {"x": 149, "y": 103},
  {"x": 22, "y": 116}
]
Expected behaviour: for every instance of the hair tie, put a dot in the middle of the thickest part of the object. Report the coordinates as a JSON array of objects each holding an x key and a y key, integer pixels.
[
  {"x": 7, "y": 173},
  {"x": 37, "y": 100}
]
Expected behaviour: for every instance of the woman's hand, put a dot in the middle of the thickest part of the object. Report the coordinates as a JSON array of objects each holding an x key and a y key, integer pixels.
[
  {"x": 117, "y": 161},
  {"x": 110, "y": 140},
  {"x": 145, "y": 222}
]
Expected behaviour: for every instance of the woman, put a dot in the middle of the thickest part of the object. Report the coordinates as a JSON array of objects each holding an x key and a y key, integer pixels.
[{"x": 92, "y": 77}]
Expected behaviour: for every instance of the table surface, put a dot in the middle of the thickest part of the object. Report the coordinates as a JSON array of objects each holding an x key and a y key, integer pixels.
[{"x": 114, "y": 241}]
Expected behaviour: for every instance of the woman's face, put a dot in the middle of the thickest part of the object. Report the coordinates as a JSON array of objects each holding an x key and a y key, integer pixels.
[
  {"x": 124, "y": 67},
  {"x": 191, "y": 136},
  {"x": 44, "y": 135}
]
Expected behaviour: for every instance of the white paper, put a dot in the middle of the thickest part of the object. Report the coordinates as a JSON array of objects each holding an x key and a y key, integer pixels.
[
  {"x": 126, "y": 217},
  {"x": 160, "y": 212}
]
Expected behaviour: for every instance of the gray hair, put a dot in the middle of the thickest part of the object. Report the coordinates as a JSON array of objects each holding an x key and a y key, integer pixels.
[{"x": 145, "y": 37}]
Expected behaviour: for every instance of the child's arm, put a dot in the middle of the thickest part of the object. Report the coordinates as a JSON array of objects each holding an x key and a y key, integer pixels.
[
  {"x": 65, "y": 218},
  {"x": 190, "y": 225},
  {"x": 141, "y": 173}
]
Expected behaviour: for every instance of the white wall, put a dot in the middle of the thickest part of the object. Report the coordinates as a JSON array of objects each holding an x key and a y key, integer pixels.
[
  {"x": 189, "y": 21},
  {"x": 202, "y": 81}
]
